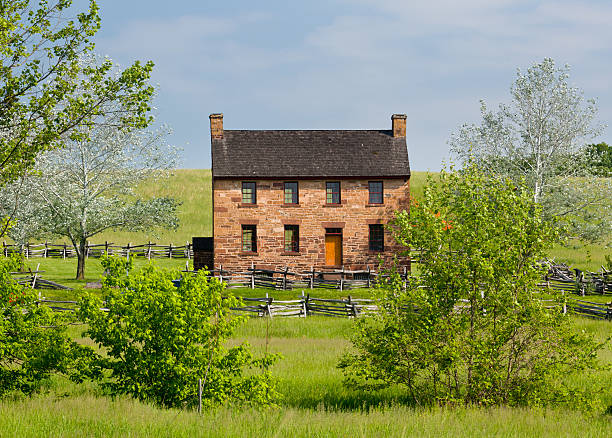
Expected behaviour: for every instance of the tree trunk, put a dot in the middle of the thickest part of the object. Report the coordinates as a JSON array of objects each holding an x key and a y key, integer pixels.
[{"x": 81, "y": 261}]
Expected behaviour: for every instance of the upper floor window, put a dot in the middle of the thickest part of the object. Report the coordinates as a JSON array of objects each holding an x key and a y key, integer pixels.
[
  {"x": 292, "y": 238},
  {"x": 332, "y": 190},
  {"x": 291, "y": 193},
  {"x": 249, "y": 194},
  {"x": 377, "y": 237},
  {"x": 249, "y": 238},
  {"x": 376, "y": 192}
]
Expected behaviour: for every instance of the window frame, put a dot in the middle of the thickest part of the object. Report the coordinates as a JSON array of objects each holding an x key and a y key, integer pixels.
[
  {"x": 292, "y": 246},
  {"x": 371, "y": 192},
  {"x": 295, "y": 195},
  {"x": 332, "y": 193},
  {"x": 376, "y": 243},
  {"x": 254, "y": 193},
  {"x": 253, "y": 242}
]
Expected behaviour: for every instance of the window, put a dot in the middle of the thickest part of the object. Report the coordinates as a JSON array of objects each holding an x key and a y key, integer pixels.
[
  {"x": 377, "y": 238},
  {"x": 249, "y": 238},
  {"x": 376, "y": 192},
  {"x": 249, "y": 193},
  {"x": 332, "y": 190},
  {"x": 292, "y": 238},
  {"x": 291, "y": 193}
]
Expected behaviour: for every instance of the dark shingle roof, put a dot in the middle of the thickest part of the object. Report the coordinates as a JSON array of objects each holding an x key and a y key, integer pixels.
[{"x": 309, "y": 154}]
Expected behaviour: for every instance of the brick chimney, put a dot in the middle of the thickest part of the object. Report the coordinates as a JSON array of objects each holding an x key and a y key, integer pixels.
[
  {"x": 398, "y": 123},
  {"x": 216, "y": 125}
]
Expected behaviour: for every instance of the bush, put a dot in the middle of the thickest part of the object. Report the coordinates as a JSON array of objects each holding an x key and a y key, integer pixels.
[
  {"x": 470, "y": 329},
  {"x": 160, "y": 339},
  {"x": 33, "y": 340}
]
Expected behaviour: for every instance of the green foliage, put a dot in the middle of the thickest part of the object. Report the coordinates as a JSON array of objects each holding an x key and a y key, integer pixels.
[
  {"x": 470, "y": 329},
  {"x": 33, "y": 340},
  {"x": 599, "y": 158},
  {"x": 46, "y": 92},
  {"x": 160, "y": 339}
]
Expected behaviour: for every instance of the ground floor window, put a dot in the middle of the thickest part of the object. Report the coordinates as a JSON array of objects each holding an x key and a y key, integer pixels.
[
  {"x": 249, "y": 238},
  {"x": 377, "y": 237},
  {"x": 292, "y": 238}
]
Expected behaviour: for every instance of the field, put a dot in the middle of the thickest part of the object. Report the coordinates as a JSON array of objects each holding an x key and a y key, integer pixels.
[{"x": 315, "y": 402}]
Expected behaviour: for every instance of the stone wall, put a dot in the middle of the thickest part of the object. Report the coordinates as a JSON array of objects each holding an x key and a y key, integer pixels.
[{"x": 313, "y": 216}]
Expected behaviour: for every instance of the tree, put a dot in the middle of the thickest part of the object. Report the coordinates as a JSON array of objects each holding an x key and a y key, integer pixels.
[
  {"x": 47, "y": 92},
  {"x": 87, "y": 187},
  {"x": 599, "y": 158},
  {"x": 470, "y": 329},
  {"x": 537, "y": 138},
  {"x": 33, "y": 340},
  {"x": 161, "y": 339}
]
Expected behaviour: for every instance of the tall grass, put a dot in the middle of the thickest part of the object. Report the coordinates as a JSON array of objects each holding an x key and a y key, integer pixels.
[
  {"x": 314, "y": 401},
  {"x": 99, "y": 417}
]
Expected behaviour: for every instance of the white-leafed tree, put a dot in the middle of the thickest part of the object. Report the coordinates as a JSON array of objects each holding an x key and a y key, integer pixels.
[
  {"x": 538, "y": 137},
  {"x": 88, "y": 187}
]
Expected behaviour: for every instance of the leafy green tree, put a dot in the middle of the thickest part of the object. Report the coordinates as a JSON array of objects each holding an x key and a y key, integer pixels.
[
  {"x": 537, "y": 138},
  {"x": 160, "y": 339},
  {"x": 469, "y": 328},
  {"x": 47, "y": 91},
  {"x": 33, "y": 340}
]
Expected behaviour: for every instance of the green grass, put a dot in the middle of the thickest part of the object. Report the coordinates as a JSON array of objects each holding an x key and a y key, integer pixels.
[
  {"x": 314, "y": 400},
  {"x": 97, "y": 417}
]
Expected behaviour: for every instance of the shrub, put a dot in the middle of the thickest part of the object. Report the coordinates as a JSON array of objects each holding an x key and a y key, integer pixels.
[
  {"x": 161, "y": 339},
  {"x": 33, "y": 340},
  {"x": 470, "y": 329}
]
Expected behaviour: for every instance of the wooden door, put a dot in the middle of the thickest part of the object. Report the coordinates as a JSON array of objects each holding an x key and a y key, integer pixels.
[{"x": 333, "y": 250}]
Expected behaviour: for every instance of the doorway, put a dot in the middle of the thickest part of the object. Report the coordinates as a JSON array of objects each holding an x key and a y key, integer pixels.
[{"x": 333, "y": 246}]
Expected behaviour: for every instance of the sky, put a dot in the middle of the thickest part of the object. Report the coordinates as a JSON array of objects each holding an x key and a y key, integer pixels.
[{"x": 351, "y": 64}]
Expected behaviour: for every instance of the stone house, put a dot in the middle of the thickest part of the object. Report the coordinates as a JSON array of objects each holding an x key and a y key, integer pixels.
[{"x": 307, "y": 198}]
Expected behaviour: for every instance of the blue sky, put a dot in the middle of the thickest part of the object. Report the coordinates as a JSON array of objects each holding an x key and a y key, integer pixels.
[{"x": 342, "y": 64}]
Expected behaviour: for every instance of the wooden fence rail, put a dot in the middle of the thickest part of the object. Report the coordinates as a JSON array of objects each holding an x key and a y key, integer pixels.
[
  {"x": 62, "y": 250},
  {"x": 340, "y": 279}
]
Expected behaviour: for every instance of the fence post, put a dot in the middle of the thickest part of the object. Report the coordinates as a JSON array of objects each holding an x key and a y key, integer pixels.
[
  {"x": 35, "y": 276},
  {"x": 127, "y": 251},
  {"x": 199, "y": 396},
  {"x": 220, "y": 273},
  {"x": 46, "y": 249},
  {"x": 405, "y": 278},
  {"x": 252, "y": 275},
  {"x": 64, "y": 251},
  {"x": 342, "y": 279},
  {"x": 149, "y": 251},
  {"x": 285, "y": 277},
  {"x": 27, "y": 249},
  {"x": 4, "y": 248},
  {"x": 170, "y": 251},
  {"x": 312, "y": 272},
  {"x": 106, "y": 247},
  {"x": 304, "y": 304},
  {"x": 352, "y": 308},
  {"x": 268, "y": 302}
]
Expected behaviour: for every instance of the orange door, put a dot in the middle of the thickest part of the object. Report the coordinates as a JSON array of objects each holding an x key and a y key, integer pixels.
[{"x": 333, "y": 250}]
